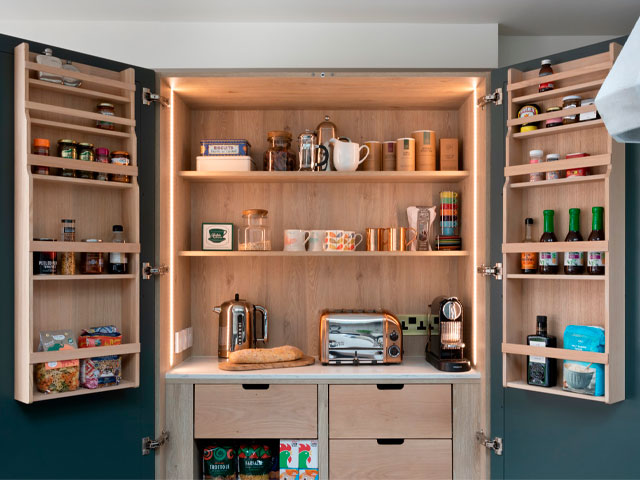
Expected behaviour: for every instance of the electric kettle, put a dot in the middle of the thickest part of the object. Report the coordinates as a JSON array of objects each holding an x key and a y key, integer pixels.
[{"x": 237, "y": 326}]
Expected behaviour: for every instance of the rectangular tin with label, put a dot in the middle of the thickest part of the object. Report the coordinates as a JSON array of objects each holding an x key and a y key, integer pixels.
[
  {"x": 225, "y": 147},
  {"x": 217, "y": 236}
]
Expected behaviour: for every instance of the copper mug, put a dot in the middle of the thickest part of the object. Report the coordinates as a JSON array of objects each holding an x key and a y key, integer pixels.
[
  {"x": 396, "y": 240},
  {"x": 376, "y": 240}
]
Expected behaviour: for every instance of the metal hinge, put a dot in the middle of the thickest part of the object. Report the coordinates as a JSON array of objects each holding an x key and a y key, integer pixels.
[
  {"x": 489, "y": 271},
  {"x": 148, "y": 444},
  {"x": 148, "y": 98},
  {"x": 495, "y": 444},
  {"x": 495, "y": 98},
  {"x": 147, "y": 270}
]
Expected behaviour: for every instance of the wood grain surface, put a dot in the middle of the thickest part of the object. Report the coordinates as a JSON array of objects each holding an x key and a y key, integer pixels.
[{"x": 242, "y": 367}]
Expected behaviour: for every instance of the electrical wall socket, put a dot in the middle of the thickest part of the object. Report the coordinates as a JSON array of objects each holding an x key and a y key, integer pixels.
[
  {"x": 183, "y": 339},
  {"x": 413, "y": 324}
]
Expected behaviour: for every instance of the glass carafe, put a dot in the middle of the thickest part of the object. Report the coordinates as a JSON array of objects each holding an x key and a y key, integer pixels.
[{"x": 255, "y": 232}]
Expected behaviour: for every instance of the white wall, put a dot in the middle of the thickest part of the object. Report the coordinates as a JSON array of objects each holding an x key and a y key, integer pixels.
[
  {"x": 160, "y": 45},
  {"x": 515, "y": 49}
]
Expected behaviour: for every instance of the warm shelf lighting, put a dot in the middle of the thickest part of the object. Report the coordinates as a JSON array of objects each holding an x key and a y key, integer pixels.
[
  {"x": 474, "y": 262},
  {"x": 171, "y": 228}
]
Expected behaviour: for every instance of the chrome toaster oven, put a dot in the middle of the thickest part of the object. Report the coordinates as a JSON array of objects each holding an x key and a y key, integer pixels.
[{"x": 351, "y": 337}]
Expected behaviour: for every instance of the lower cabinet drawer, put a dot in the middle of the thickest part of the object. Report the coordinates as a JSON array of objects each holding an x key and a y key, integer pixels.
[
  {"x": 390, "y": 411},
  {"x": 256, "y": 411},
  {"x": 369, "y": 459}
]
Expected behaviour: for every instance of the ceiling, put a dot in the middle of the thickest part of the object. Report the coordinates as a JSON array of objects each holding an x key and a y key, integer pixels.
[{"x": 515, "y": 17}]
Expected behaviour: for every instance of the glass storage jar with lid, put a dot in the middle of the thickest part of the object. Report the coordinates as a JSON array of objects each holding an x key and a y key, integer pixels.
[
  {"x": 278, "y": 157},
  {"x": 255, "y": 232}
]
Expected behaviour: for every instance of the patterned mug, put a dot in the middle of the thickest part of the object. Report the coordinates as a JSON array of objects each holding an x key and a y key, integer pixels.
[
  {"x": 333, "y": 241},
  {"x": 350, "y": 242}
]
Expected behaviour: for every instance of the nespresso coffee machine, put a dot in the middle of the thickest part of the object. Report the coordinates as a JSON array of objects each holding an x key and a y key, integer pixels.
[{"x": 445, "y": 348}]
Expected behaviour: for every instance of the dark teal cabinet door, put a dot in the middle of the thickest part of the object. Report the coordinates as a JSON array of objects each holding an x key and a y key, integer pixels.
[
  {"x": 89, "y": 436},
  {"x": 547, "y": 436}
]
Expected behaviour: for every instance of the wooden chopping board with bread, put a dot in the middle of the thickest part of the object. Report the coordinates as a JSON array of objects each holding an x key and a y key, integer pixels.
[{"x": 264, "y": 358}]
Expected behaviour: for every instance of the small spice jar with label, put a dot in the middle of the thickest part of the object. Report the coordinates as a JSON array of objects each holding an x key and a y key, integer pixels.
[
  {"x": 44, "y": 263},
  {"x": 569, "y": 102},
  {"x": 92, "y": 263},
  {"x": 102, "y": 156},
  {"x": 553, "y": 122},
  {"x": 40, "y": 147},
  {"x": 536, "y": 156},
  {"x": 85, "y": 152},
  {"x": 555, "y": 174},
  {"x": 68, "y": 148},
  {"x": 545, "y": 70},
  {"x": 120, "y": 158},
  {"x": 109, "y": 110},
  {"x": 68, "y": 259}
]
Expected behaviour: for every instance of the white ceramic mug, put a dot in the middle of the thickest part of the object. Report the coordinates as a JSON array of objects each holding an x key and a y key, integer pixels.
[
  {"x": 333, "y": 241},
  {"x": 350, "y": 242},
  {"x": 346, "y": 155},
  {"x": 295, "y": 240},
  {"x": 316, "y": 238}
]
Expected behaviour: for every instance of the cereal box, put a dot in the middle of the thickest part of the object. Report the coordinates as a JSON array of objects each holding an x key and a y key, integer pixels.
[{"x": 288, "y": 460}]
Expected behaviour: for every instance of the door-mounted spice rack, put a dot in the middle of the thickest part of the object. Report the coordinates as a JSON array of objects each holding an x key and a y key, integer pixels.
[
  {"x": 106, "y": 194},
  {"x": 565, "y": 299}
]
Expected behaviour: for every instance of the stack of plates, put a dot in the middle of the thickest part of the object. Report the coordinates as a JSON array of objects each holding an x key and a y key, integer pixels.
[{"x": 448, "y": 242}]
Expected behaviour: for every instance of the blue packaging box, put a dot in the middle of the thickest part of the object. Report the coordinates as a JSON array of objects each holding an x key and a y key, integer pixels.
[{"x": 224, "y": 147}]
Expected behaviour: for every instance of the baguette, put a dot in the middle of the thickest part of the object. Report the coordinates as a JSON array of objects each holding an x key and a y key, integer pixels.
[{"x": 266, "y": 355}]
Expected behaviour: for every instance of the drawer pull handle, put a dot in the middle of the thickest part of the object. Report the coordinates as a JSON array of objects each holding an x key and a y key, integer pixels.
[
  {"x": 390, "y": 386},
  {"x": 390, "y": 441},
  {"x": 255, "y": 386}
]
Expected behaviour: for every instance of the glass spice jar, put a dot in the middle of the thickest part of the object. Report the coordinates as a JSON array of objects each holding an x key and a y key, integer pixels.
[
  {"x": 554, "y": 174},
  {"x": 255, "y": 232},
  {"x": 67, "y": 259},
  {"x": 86, "y": 153},
  {"x": 92, "y": 263},
  {"x": 102, "y": 156},
  {"x": 109, "y": 110},
  {"x": 40, "y": 147},
  {"x": 120, "y": 158},
  {"x": 278, "y": 158},
  {"x": 569, "y": 102},
  {"x": 536, "y": 156},
  {"x": 68, "y": 149},
  {"x": 553, "y": 122}
]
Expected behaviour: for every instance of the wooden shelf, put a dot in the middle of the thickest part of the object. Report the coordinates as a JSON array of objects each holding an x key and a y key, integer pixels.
[
  {"x": 573, "y": 127},
  {"x": 39, "y": 396},
  {"x": 559, "y": 353},
  {"x": 539, "y": 276},
  {"x": 78, "y": 91},
  {"x": 108, "y": 82},
  {"x": 325, "y": 177},
  {"x": 79, "y": 128},
  {"x": 90, "y": 352},
  {"x": 357, "y": 253},
  {"x": 106, "y": 276},
  {"x": 74, "y": 164},
  {"x": 559, "y": 181},
  {"x": 81, "y": 182},
  {"x": 104, "y": 247},
  {"x": 564, "y": 164},
  {"x": 557, "y": 390},
  {"x": 547, "y": 116},
  {"x": 600, "y": 246},
  {"x": 74, "y": 112},
  {"x": 573, "y": 73},
  {"x": 558, "y": 92}
]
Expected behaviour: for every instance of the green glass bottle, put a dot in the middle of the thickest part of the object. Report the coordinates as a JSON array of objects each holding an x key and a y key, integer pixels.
[
  {"x": 574, "y": 261},
  {"x": 548, "y": 261},
  {"x": 595, "y": 260}
]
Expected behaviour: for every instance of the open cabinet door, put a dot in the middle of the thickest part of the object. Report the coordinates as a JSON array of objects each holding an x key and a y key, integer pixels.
[
  {"x": 105, "y": 422},
  {"x": 534, "y": 419}
]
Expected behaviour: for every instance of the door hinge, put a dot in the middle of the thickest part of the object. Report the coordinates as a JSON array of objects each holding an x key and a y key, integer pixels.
[
  {"x": 495, "y": 444},
  {"x": 147, "y": 270},
  {"x": 148, "y": 97},
  {"x": 489, "y": 271},
  {"x": 495, "y": 98},
  {"x": 148, "y": 444}
]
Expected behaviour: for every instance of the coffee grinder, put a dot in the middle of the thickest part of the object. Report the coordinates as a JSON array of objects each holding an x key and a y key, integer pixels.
[{"x": 445, "y": 348}]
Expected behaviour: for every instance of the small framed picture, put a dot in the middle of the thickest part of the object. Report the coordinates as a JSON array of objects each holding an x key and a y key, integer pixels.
[{"x": 217, "y": 236}]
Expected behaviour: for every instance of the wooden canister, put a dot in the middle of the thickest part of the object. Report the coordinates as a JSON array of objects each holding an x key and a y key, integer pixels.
[
  {"x": 405, "y": 154},
  {"x": 389, "y": 155},
  {"x": 374, "y": 159},
  {"x": 425, "y": 149}
]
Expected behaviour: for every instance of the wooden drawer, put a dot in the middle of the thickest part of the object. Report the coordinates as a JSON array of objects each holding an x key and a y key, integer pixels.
[
  {"x": 390, "y": 411},
  {"x": 368, "y": 459},
  {"x": 256, "y": 411}
]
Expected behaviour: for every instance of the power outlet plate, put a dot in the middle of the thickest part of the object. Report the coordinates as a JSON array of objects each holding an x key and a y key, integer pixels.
[{"x": 414, "y": 324}]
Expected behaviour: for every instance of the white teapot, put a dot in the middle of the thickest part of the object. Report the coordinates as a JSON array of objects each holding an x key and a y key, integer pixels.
[{"x": 346, "y": 155}]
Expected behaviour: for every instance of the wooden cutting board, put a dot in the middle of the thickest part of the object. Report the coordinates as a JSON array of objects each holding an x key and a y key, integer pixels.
[{"x": 235, "y": 367}]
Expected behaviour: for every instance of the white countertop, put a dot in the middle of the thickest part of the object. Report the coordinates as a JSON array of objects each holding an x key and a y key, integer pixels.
[{"x": 412, "y": 370}]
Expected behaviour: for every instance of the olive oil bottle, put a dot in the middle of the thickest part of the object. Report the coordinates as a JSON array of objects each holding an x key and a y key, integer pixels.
[{"x": 541, "y": 371}]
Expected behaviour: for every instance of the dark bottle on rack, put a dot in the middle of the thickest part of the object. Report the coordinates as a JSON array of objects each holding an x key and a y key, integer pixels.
[
  {"x": 595, "y": 260},
  {"x": 118, "y": 260},
  {"x": 548, "y": 261},
  {"x": 574, "y": 261},
  {"x": 545, "y": 69},
  {"x": 528, "y": 260},
  {"x": 541, "y": 371}
]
